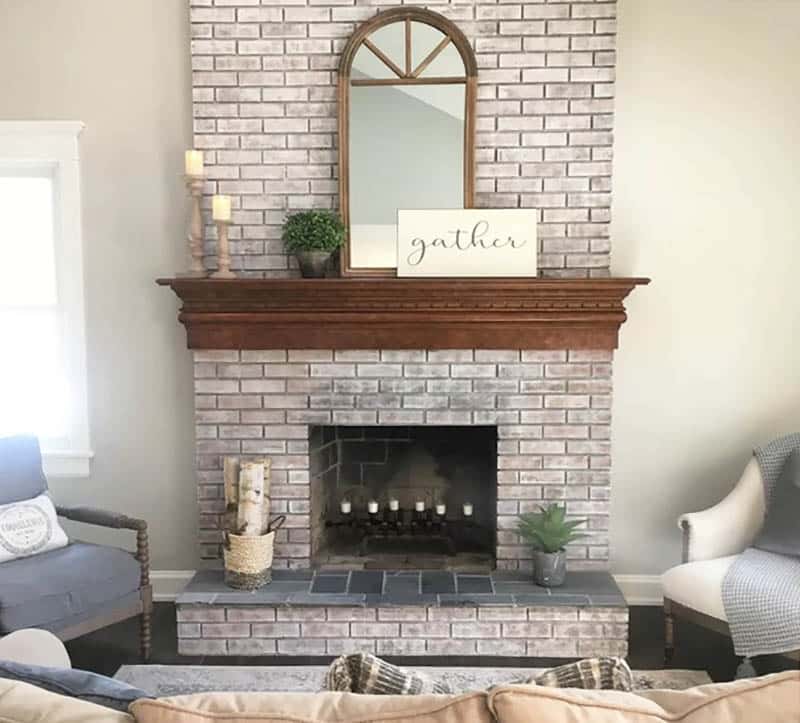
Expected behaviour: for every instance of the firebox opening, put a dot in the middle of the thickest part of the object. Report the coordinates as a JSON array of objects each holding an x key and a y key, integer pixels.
[{"x": 387, "y": 498}]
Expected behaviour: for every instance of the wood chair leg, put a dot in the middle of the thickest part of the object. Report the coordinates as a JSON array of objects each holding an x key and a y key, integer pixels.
[
  {"x": 669, "y": 634},
  {"x": 145, "y": 635}
]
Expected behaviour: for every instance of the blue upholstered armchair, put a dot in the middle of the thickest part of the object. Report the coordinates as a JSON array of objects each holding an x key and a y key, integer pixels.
[{"x": 75, "y": 589}]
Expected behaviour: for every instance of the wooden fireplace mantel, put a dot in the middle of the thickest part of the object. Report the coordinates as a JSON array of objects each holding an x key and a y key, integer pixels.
[{"x": 402, "y": 313}]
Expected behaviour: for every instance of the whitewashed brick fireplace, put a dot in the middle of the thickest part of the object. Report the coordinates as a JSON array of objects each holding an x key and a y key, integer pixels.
[{"x": 275, "y": 356}]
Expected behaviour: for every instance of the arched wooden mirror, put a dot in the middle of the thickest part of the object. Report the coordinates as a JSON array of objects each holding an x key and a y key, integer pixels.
[{"x": 407, "y": 90}]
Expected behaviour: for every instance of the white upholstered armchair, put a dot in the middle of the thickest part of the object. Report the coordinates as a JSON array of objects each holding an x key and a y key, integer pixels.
[{"x": 712, "y": 539}]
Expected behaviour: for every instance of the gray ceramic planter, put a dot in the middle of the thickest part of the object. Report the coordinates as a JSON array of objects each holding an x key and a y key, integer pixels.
[
  {"x": 549, "y": 568},
  {"x": 313, "y": 264}
]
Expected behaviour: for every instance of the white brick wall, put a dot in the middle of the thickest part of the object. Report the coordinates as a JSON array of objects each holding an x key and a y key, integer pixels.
[
  {"x": 534, "y": 631},
  {"x": 265, "y": 113},
  {"x": 551, "y": 408}
]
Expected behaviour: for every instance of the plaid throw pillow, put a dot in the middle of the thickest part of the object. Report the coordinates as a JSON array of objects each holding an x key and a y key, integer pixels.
[
  {"x": 591, "y": 674},
  {"x": 366, "y": 674}
]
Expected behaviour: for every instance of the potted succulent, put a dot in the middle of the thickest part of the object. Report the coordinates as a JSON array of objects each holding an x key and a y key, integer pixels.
[
  {"x": 313, "y": 236},
  {"x": 549, "y": 532}
]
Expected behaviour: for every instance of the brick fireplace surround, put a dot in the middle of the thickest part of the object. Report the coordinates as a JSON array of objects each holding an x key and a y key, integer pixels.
[
  {"x": 264, "y": 94},
  {"x": 551, "y": 409}
]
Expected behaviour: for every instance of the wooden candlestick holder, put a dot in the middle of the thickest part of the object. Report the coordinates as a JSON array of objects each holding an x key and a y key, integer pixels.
[
  {"x": 194, "y": 185},
  {"x": 223, "y": 252}
]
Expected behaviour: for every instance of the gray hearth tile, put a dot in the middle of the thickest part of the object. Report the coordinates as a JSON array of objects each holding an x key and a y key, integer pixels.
[
  {"x": 196, "y": 598},
  {"x": 589, "y": 583},
  {"x": 573, "y": 600},
  {"x": 469, "y": 584},
  {"x": 512, "y": 576},
  {"x": 438, "y": 582},
  {"x": 366, "y": 581},
  {"x": 402, "y": 584},
  {"x": 331, "y": 600},
  {"x": 477, "y": 600},
  {"x": 278, "y": 586},
  {"x": 538, "y": 595},
  {"x": 517, "y": 588},
  {"x": 401, "y": 600},
  {"x": 329, "y": 584},
  {"x": 598, "y": 600},
  {"x": 286, "y": 575}
]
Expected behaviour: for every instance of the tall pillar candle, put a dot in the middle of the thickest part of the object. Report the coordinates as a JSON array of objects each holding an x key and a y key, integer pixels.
[
  {"x": 221, "y": 213},
  {"x": 195, "y": 180}
]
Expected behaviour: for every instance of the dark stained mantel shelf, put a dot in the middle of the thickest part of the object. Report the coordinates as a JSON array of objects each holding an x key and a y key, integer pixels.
[{"x": 402, "y": 313}]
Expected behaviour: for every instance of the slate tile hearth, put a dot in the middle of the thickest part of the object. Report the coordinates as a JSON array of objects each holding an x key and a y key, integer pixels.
[{"x": 424, "y": 587}]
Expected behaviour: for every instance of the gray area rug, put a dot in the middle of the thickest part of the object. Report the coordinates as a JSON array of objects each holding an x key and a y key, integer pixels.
[{"x": 166, "y": 680}]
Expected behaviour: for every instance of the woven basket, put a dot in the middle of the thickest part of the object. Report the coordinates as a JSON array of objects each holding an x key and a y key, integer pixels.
[{"x": 248, "y": 560}]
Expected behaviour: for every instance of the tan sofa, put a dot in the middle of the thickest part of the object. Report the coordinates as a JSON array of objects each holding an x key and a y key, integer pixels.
[{"x": 770, "y": 699}]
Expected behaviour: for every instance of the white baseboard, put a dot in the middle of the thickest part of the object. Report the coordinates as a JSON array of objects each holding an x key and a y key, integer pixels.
[
  {"x": 638, "y": 589},
  {"x": 641, "y": 589},
  {"x": 168, "y": 584}
]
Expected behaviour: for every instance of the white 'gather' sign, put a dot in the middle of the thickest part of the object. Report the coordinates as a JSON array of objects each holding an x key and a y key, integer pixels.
[{"x": 468, "y": 242}]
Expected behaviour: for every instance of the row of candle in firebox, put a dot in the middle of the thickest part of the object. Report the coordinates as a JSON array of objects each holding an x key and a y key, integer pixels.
[{"x": 373, "y": 507}]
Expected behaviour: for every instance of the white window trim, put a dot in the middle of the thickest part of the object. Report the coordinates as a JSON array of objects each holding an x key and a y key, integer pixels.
[{"x": 56, "y": 143}]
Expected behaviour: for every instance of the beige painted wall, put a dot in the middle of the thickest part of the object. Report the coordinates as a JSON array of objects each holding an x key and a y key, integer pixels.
[
  {"x": 122, "y": 68},
  {"x": 706, "y": 200},
  {"x": 706, "y": 187}
]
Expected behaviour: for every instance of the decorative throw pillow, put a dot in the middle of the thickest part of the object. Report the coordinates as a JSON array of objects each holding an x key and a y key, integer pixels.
[
  {"x": 369, "y": 675},
  {"x": 29, "y": 528},
  {"x": 590, "y": 674},
  {"x": 79, "y": 684},
  {"x": 781, "y": 531}
]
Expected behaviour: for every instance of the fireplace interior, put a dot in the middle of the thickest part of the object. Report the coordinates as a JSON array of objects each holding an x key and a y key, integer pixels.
[{"x": 387, "y": 498}]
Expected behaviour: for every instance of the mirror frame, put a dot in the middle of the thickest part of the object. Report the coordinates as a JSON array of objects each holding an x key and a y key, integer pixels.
[{"x": 360, "y": 37}]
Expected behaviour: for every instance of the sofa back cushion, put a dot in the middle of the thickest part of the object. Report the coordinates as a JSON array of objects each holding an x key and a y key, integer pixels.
[
  {"x": 773, "y": 698},
  {"x": 313, "y": 707},
  {"x": 24, "y": 703},
  {"x": 21, "y": 475},
  {"x": 80, "y": 684}
]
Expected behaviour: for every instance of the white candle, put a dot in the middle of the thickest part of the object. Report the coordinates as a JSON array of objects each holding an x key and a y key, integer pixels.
[
  {"x": 194, "y": 163},
  {"x": 441, "y": 509},
  {"x": 221, "y": 208},
  {"x": 394, "y": 505},
  {"x": 346, "y": 507},
  {"x": 419, "y": 506},
  {"x": 467, "y": 509},
  {"x": 372, "y": 507}
]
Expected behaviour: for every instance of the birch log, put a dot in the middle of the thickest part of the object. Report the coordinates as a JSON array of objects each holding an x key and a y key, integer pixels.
[
  {"x": 250, "y": 520},
  {"x": 230, "y": 475},
  {"x": 265, "y": 510}
]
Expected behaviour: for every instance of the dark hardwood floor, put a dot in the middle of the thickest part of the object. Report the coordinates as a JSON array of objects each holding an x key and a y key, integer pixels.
[{"x": 106, "y": 650}]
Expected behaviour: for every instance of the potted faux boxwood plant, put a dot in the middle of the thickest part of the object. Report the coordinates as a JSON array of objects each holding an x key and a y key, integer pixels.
[
  {"x": 549, "y": 532},
  {"x": 313, "y": 236}
]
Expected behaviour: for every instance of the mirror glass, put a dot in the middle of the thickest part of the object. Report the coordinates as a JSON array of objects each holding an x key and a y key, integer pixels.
[{"x": 407, "y": 125}]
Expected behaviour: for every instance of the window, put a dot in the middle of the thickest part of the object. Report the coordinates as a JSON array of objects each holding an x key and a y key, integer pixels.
[{"x": 42, "y": 327}]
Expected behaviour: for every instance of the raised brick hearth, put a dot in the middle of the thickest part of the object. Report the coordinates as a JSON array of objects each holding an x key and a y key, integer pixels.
[{"x": 510, "y": 617}]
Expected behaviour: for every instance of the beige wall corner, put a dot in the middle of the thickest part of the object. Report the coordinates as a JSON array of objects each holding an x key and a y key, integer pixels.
[
  {"x": 705, "y": 202},
  {"x": 122, "y": 69}
]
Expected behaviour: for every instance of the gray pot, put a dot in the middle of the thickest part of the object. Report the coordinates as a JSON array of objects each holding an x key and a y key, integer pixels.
[
  {"x": 549, "y": 568},
  {"x": 313, "y": 264}
]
